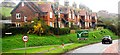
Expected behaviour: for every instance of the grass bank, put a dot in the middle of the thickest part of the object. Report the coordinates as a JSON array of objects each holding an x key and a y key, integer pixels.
[{"x": 12, "y": 42}]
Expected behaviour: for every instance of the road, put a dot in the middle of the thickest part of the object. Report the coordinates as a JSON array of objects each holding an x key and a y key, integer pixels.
[{"x": 97, "y": 48}]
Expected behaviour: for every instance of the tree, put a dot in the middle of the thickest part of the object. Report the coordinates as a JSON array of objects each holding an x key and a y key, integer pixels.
[{"x": 38, "y": 27}]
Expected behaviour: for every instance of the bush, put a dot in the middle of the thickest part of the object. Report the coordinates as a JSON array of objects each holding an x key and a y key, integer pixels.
[
  {"x": 60, "y": 31},
  {"x": 113, "y": 29},
  {"x": 15, "y": 30},
  {"x": 38, "y": 27},
  {"x": 75, "y": 27}
]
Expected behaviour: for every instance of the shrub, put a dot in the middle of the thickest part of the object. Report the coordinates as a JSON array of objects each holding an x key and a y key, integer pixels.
[
  {"x": 15, "y": 30},
  {"x": 39, "y": 27},
  {"x": 113, "y": 29},
  {"x": 60, "y": 31},
  {"x": 74, "y": 27}
]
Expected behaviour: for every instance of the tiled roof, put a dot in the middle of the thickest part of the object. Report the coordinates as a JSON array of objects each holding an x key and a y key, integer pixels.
[
  {"x": 45, "y": 7},
  {"x": 36, "y": 7},
  {"x": 64, "y": 10}
]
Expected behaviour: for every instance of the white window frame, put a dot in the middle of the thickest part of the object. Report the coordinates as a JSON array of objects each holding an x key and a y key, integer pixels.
[
  {"x": 18, "y": 25},
  {"x": 25, "y": 18},
  {"x": 18, "y": 16},
  {"x": 69, "y": 15},
  {"x": 50, "y": 14},
  {"x": 69, "y": 24},
  {"x": 59, "y": 24},
  {"x": 87, "y": 24},
  {"x": 59, "y": 15},
  {"x": 78, "y": 23},
  {"x": 51, "y": 24},
  {"x": 73, "y": 16}
]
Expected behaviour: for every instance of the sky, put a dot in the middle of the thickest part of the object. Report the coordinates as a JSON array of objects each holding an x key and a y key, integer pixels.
[{"x": 95, "y": 5}]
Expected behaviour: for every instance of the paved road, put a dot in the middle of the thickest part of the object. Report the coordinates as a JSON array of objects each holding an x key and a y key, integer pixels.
[{"x": 94, "y": 48}]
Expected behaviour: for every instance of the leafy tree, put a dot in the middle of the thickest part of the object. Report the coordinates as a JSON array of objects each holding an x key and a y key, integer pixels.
[{"x": 39, "y": 27}]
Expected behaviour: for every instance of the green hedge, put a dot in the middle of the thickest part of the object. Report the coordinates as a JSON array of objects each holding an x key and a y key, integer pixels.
[
  {"x": 24, "y": 30},
  {"x": 60, "y": 31},
  {"x": 14, "y": 31}
]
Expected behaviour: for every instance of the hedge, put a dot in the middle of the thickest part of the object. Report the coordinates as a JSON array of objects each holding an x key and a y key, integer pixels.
[
  {"x": 60, "y": 31},
  {"x": 23, "y": 30},
  {"x": 15, "y": 30}
]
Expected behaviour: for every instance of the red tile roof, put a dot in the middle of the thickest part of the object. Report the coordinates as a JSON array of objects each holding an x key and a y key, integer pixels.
[
  {"x": 36, "y": 7},
  {"x": 64, "y": 10},
  {"x": 45, "y": 7}
]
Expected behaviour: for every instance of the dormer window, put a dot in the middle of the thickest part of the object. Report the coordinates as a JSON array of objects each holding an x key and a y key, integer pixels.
[{"x": 18, "y": 16}]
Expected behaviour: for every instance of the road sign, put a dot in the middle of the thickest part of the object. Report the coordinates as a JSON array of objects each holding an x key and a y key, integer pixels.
[{"x": 25, "y": 38}]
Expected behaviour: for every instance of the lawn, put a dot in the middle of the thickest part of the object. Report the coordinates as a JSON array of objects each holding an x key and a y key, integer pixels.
[
  {"x": 6, "y": 11},
  {"x": 15, "y": 42}
]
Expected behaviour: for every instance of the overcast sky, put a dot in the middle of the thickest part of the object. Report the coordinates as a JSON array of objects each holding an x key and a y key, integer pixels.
[{"x": 95, "y": 5}]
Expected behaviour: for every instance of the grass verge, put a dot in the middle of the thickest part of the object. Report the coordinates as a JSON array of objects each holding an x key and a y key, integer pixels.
[{"x": 12, "y": 42}]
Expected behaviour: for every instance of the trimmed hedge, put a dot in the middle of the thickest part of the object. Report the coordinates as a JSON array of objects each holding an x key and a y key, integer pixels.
[
  {"x": 16, "y": 30},
  {"x": 24, "y": 30},
  {"x": 60, "y": 31}
]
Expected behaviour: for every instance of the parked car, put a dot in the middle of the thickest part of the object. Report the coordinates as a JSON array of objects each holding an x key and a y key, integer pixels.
[{"x": 107, "y": 39}]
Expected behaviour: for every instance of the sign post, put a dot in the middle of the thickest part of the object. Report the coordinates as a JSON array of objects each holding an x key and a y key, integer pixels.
[
  {"x": 63, "y": 45},
  {"x": 25, "y": 47},
  {"x": 25, "y": 39}
]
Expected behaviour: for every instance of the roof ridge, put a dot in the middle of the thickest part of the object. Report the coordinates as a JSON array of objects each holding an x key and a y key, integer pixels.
[
  {"x": 34, "y": 6},
  {"x": 30, "y": 6}
]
